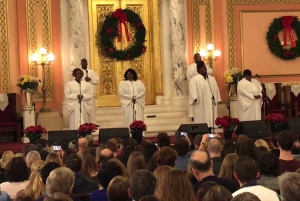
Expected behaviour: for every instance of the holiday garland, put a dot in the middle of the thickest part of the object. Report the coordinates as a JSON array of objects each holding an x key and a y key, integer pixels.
[
  {"x": 112, "y": 28},
  {"x": 277, "y": 47}
]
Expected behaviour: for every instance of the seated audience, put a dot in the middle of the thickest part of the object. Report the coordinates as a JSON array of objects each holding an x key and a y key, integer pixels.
[
  {"x": 246, "y": 196},
  {"x": 27, "y": 149},
  {"x": 4, "y": 196},
  {"x": 289, "y": 184},
  {"x": 166, "y": 156},
  {"x": 98, "y": 150},
  {"x": 248, "y": 148},
  {"x": 58, "y": 197},
  {"x": 82, "y": 145},
  {"x": 202, "y": 169},
  {"x": 89, "y": 167},
  {"x": 160, "y": 174},
  {"x": 203, "y": 188},
  {"x": 21, "y": 155},
  {"x": 125, "y": 153},
  {"x": 38, "y": 147},
  {"x": 125, "y": 173},
  {"x": 296, "y": 150},
  {"x": 91, "y": 151},
  {"x": 152, "y": 164},
  {"x": 197, "y": 142},
  {"x": 287, "y": 163},
  {"x": 275, "y": 149},
  {"x": 268, "y": 165},
  {"x": 239, "y": 141},
  {"x": 6, "y": 157},
  {"x": 180, "y": 190},
  {"x": 246, "y": 172},
  {"x": 105, "y": 155},
  {"x": 117, "y": 189},
  {"x": 182, "y": 147},
  {"x": 163, "y": 140},
  {"x": 90, "y": 140},
  {"x": 45, "y": 171},
  {"x": 262, "y": 143},
  {"x": 149, "y": 198},
  {"x": 53, "y": 157},
  {"x": 135, "y": 162},
  {"x": 112, "y": 144},
  {"x": 81, "y": 184},
  {"x": 22, "y": 197},
  {"x": 261, "y": 150},
  {"x": 16, "y": 175},
  {"x": 217, "y": 193},
  {"x": 228, "y": 148},
  {"x": 214, "y": 148},
  {"x": 31, "y": 157},
  {"x": 227, "y": 168},
  {"x": 142, "y": 183},
  {"x": 149, "y": 151},
  {"x": 66, "y": 154}
]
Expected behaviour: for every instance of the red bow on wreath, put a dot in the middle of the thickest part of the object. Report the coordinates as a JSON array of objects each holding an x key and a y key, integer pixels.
[
  {"x": 118, "y": 14},
  {"x": 286, "y": 23}
]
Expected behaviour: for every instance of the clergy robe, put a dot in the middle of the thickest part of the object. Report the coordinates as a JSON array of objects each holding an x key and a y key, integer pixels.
[
  {"x": 191, "y": 72},
  {"x": 72, "y": 89},
  {"x": 127, "y": 90},
  {"x": 202, "y": 89},
  {"x": 94, "y": 82},
  {"x": 249, "y": 107}
]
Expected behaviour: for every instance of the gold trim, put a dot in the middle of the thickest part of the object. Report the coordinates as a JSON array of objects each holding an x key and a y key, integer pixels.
[
  {"x": 5, "y": 74},
  {"x": 47, "y": 43},
  {"x": 231, "y": 24}
]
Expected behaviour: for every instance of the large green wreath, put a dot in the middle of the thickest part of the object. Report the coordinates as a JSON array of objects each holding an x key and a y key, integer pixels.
[
  {"x": 110, "y": 30},
  {"x": 275, "y": 45}
]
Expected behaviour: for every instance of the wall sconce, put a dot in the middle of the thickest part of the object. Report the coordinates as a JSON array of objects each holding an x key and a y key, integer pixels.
[
  {"x": 45, "y": 59},
  {"x": 210, "y": 55}
]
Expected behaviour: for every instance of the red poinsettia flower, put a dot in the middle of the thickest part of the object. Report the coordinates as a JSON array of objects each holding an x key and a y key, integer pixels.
[
  {"x": 144, "y": 48},
  {"x": 227, "y": 122},
  {"x": 276, "y": 117},
  {"x": 111, "y": 50},
  {"x": 275, "y": 37},
  {"x": 109, "y": 30},
  {"x": 87, "y": 129},
  {"x": 138, "y": 25},
  {"x": 128, "y": 57},
  {"x": 138, "y": 125}
]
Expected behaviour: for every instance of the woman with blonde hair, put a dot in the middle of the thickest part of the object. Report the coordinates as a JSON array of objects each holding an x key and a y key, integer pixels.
[
  {"x": 160, "y": 174},
  {"x": 53, "y": 157},
  {"x": 21, "y": 155},
  {"x": 227, "y": 168},
  {"x": 6, "y": 157},
  {"x": 38, "y": 165},
  {"x": 89, "y": 167},
  {"x": 122, "y": 166},
  {"x": 180, "y": 190},
  {"x": 136, "y": 161},
  {"x": 262, "y": 143}
]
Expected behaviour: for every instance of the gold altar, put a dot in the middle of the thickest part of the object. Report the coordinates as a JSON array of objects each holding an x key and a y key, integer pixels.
[{"x": 147, "y": 66}]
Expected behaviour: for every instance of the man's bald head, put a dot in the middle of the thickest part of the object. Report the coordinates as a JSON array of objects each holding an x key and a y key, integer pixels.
[
  {"x": 105, "y": 155},
  {"x": 200, "y": 161},
  {"x": 214, "y": 146},
  {"x": 82, "y": 143}
]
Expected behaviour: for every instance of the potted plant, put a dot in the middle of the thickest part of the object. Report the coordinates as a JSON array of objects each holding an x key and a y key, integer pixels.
[
  {"x": 277, "y": 122},
  {"x": 232, "y": 77},
  {"x": 33, "y": 133},
  {"x": 136, "y": 130},
  {"x": 87, "y": 129},
  {"x": 228, "y": 124},
  {"x": 29, "y": 85}
]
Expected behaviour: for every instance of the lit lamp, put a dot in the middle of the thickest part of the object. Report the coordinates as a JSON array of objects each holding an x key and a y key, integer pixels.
[
  {"x": 210, "y": 55},
  {"x": 45, "y": 59}
]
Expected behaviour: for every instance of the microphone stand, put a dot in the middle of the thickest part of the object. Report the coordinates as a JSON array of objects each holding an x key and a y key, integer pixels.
[
  {"x": 213, "y": 106},
  {"x": 133, "y": 105},
  {"x": 265, "y": 100},
  {"x": 80, "y": 102}
]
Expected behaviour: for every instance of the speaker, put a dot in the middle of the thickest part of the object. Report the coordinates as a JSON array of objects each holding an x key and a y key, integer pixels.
[
  {"x": 253, "y": 129},
  {"x": 106, "y": 134},
  {"x": 64, "y": 135},
  {"x": 192, "y": 130},
  {"x": 294, "y": 125}
]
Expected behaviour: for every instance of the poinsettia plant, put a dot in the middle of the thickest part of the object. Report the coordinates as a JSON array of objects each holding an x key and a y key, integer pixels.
[
  {"x": 227, "y": 123},
  {"x": 136, "y": 130},
  {"x": 87, "y": 129},
  {"x": 33, "y": 133},
  {"x": 277, "y": 121}
]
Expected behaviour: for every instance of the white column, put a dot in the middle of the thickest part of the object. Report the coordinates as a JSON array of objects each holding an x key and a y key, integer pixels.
[
  {"x": 28, "y": 116},
  {"x": 233, "y": 103}
]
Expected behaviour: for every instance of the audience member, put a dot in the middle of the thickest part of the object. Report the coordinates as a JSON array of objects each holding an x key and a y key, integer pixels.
[
  {"x": 37, "y": 165},
  {"x": 289, "y": 184},
  {"x": 248, "y": 148},
  {"x": 217, "y": 193},
  {"x": 163, "y": 140},
  {"x": 197, "y": 142},
  {"x": 227, "y": 168},
  {"x": 201, "y": 165},
  {"x": 6, "y": 157},
  {"x": 274, "y": 138},
  {"x": 287, "y": 163},
  {"x": 91, "y": 151},
  {"x": 66, "y": 154},
  {"x": 239, "y": 141},
  {"x": 268, "y": 165},
  {"x": 117, "y": 189},
  {"x": 246, "y": 172},
  {"x": 21, "y": 155},
  {"x": 16, "y": 175},
  {"x": 166, "y": 156},
  {"x": 53, "y": 157},
  {"x": 31, "y": 157},
  {"x": 152, "y": 164},
  {"x": 125, "y": 172},
  {"x": 112, "y": 145},
  {"x": 135, "y": 162},
  {"x": 149, "y": 151},
  {"x": 90, "y": 140},
  {"x": 105, "y": 155},
  {"x": 82, "y": 145},
  {"x": 214, "y": 148},
  {"x": 149, "y": 198},
  {"x": 90, "y": 167},
  {"x": 81, "y": 184},
  {"x": 43, "y": 142},
  {"x": 45, "y": 171},
  {"x": 125, "y": 153},
  {"x": 228, "y": 148},
  {"x": 22, "y": 197},
  {"x": 142, "y": 183},
  {"x": 38, "y": 147},
  {"x": 296, "y": 150},
  {"x": 182, "y": 147},
  {"x": 262, "y": 143},
  {"x": 246, "y": 196},
  {"x": 58, "y": 197},
  {"x": 44, "y": 154},
  {"x": 27, "y": 149},
  {"x": 4, "y": 196},
  {"x": 261, "y": 150},
  {"x": 160, "y": 174},
  {"x": 204, "y": 188}
]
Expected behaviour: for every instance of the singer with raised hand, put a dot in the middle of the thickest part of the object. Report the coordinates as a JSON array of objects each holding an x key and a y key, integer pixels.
[
  {"x": 204, "y": 96},
  {"x": 132, "y": 95},
  {"x": 91, "y": 77},
  {"x": 78, "y": 97}
]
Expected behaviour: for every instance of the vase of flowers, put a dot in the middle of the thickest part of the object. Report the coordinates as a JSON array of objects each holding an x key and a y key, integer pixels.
[
  {"x": 232, "y": 77},
  {"x": 33, "y": 133},
  {"x": 29, "y": 85},
  {"x": 87, "y": 129},
  {"x": 276, "y": 121},
  {"x": 136, "y": 130},
  {"x": 228, "y": 124}
]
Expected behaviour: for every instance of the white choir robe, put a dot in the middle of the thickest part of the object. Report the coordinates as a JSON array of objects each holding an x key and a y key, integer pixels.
[
  {"x": 202, "y": 90},
  {"x": 127, "y": 90},
  {"x": 191, "y": 72},
  {"x": 72, "y": 89},
  {"x": 94, "y": 82},
  {"x": 249, "y": 107}
]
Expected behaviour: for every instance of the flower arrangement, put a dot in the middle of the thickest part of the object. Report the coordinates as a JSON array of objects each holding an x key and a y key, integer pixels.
[
  {"x": 87, "y": 129},
  {"x": 136, "y": 129},
  {"x": 277, "y": 122},
  {"x": 33, "y": 133},
  {"x": 233, "y": 76},
  {"x": 227, "y": 123},
  {"x": 28, "y": 83}
]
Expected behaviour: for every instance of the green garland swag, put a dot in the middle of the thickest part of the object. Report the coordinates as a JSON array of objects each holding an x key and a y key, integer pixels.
[
  {"x": 275, "y": 45},
  {"x": 110, "y": 30}
]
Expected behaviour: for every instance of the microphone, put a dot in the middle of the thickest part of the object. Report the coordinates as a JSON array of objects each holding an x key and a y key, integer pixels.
[{"x": 86, "y": 72}]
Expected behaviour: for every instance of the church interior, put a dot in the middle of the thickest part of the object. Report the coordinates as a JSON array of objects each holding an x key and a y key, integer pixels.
[{"x": 47, "y": 39}]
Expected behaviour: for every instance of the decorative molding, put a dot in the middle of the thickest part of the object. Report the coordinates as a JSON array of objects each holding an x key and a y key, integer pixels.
[
  {"x": 231, "y": 23},
  {"x": 196, "y": 23},
  {"x": 46, "y": 40},
  {"x": 4, "y": 51}
]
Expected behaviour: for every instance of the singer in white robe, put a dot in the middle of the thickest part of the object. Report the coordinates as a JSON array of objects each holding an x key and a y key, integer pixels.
[
  {"x": 202, "y": 88},
  {"x": 132, "y": 90},
  {"x": 249, "y": 98},
  {"x": 73, "y": 89}
]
